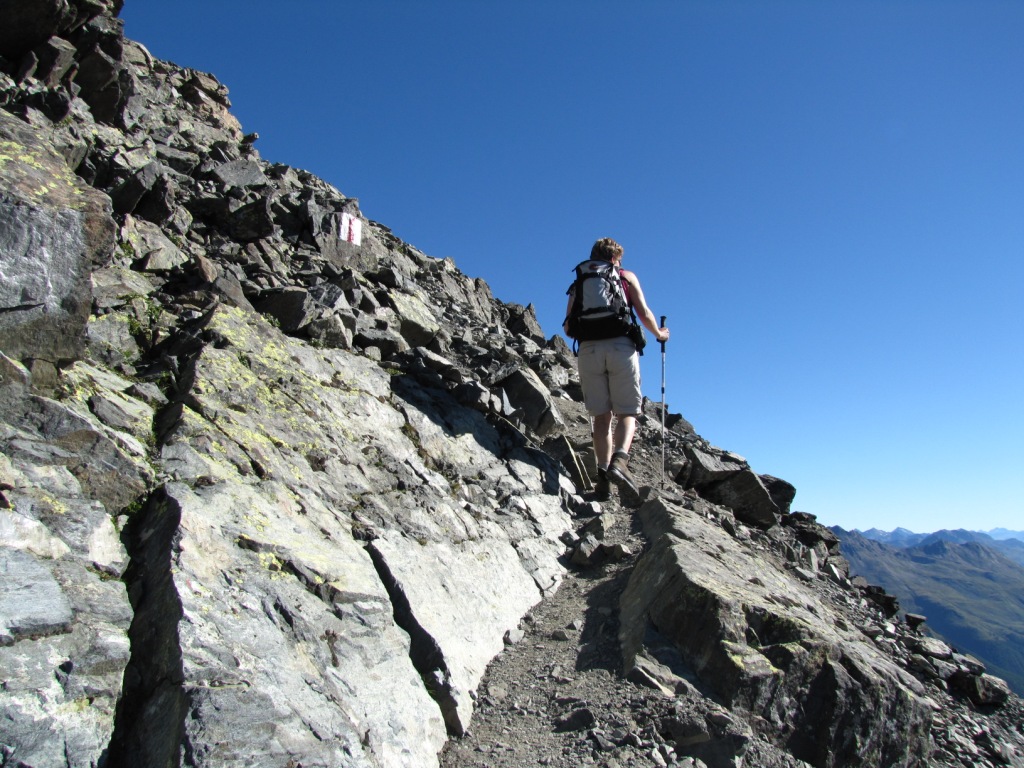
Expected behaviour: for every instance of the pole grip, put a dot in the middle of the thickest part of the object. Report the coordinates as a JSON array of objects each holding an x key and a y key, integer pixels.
[{"x": 664, "y": 319}]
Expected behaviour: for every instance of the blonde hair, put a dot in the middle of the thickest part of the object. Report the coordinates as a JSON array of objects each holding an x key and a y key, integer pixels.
[{"x": 606, "y": 249}]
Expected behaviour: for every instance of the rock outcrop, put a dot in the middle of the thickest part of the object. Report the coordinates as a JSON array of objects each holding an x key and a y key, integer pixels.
[
  {"x": 54, "y": 231},
  {"x": 276, "y": 486},
  {"x": 762, "y": 641}
]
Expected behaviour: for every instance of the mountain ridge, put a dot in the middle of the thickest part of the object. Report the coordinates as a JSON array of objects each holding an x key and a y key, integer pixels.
[{"x": 278, "y": 488}]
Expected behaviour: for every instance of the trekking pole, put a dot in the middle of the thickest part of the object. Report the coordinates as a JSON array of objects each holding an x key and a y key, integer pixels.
[{"x": 663, "y": 320}]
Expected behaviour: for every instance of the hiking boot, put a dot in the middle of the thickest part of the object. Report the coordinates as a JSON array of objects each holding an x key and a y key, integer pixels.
[
  {"x": 618, "y": 472},
  {"x": 602, "y": 488}
]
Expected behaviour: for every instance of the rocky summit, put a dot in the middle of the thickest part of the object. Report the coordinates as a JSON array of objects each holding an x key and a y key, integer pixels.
[{"x": 278, "y": 489}]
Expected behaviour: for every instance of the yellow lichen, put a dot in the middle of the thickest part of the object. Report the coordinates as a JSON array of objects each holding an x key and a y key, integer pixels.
[{"x": 272, "y": 563}]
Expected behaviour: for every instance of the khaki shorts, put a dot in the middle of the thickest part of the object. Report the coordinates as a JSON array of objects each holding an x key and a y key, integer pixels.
[{"x": 610, "y": 374}]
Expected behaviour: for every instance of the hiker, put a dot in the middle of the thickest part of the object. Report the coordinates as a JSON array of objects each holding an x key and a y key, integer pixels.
[{"x": 610, "y": 345}]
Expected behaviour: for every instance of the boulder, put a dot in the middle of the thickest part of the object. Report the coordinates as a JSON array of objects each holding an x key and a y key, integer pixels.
[
  {"x": 983, "y": 690},
  {"x": 746, "y": 495},
  {"x": 522, "y": 321},
  {"x": 55, "y": 59},
  {"x": 746, "y": 631},
  {"x": 810, "y": 533},
  {"x": 528, "y": 394},
  {"x": 292, "y": 307},
  {"x": 53, "y": 230},
  {"x": 151, "y": 249},
  {"x": 241, "y": 173},
  {"x": 252, "y": 221},
  {"x": 101, "y": 78},
  {"x": 781, "y": 492},
  {"x": 127, "y": 195},
  {"x": 416, "y": 321},
  {"x": 727, "y": 480},
  {"x": 113, "y": 286}
]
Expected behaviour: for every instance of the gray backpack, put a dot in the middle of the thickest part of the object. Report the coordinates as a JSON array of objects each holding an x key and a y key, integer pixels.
[{"x": 601, "y": 308}]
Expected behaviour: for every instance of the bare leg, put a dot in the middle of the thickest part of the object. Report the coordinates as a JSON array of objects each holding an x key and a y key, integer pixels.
[
  {"x": 604, "y": 445},
  {"x": 624, "y": 431},
  {"x": 602, "y": 427}
]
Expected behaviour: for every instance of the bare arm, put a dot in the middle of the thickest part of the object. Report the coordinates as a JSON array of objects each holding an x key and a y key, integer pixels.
[{"x": 644, "y": 313}]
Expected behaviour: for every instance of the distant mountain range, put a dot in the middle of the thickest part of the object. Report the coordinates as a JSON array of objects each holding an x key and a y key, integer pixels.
[
  {"x": 969, "y": 585},
  {"x": 1003, "y": 533},
  {"x": 1010, "y": 543}
]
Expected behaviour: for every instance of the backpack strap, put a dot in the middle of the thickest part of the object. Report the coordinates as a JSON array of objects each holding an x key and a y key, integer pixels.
[
  {"x": 636, "y": 331},
  {"x": 625, "y": 290}
]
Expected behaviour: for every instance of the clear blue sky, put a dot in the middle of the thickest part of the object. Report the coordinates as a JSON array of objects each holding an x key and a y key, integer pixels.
[{"x": 825, "y": 198}]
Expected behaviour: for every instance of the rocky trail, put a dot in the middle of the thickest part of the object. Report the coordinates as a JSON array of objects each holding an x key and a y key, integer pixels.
[{"x": 556, "y": 696}]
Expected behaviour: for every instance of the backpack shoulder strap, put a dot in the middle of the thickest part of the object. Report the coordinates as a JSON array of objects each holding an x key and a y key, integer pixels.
[{"x": 625, "y": 289}]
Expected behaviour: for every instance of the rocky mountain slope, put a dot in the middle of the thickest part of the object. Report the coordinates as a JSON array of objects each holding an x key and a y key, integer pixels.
[
  {"x": 278, "y": 489},
  {"x": 970, "y": 592}
]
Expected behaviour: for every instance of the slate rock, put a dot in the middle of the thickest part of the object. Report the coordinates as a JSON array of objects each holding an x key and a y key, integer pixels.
[
  {"x": 454, "y": 640},
  {"x": 577, "y": 720},
  {"x": 55, "y": 58},
  {"x": 244, "y": 172},
  {"x": 300, "y": 593},
  {"x": 65, "y": 612},
  {"x": 522, "y": 321},
  {"x": 599, "y": 526},
  {"x": 527, "y": 392},
  {"x": 726, "y": 479},
  {"x": 587, "y": 551},
  {"x": 292, "y": 307},
  {"x": 745, "y": 631},
  {"x": 416, "y": 321},
  {"x": 810, "y": 532},
  {"x": 934, "y": 648},
  {"x": 103, "y": 83},
  {"x": 112, "y": 286},
  {"x": 386, "y": 342},
  {"x": 252, "y": 221},
  {"x": 781, "y": 492},
  {"x": 53, "y": 230},
  {"x": 127, "y": 195},
  {"x": 746, "y": 495},
  {"x": 27, "y": 25},
  {"x": 32, "y": 604}
]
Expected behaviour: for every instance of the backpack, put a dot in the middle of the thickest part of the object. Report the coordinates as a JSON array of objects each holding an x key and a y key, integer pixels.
[{"x": 600, "y": 308}]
